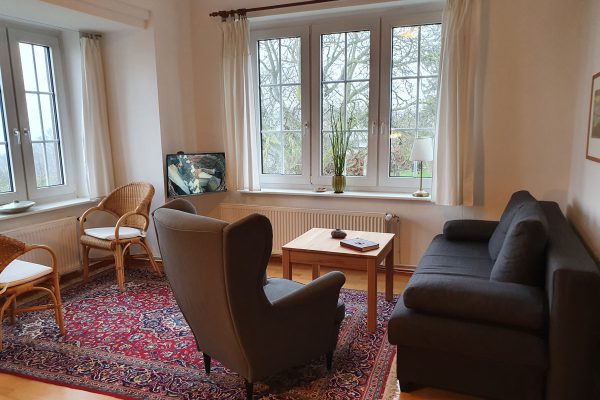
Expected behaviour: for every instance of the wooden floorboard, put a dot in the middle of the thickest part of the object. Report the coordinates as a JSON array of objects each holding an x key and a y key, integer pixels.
[{"x": 18, "y": 388}]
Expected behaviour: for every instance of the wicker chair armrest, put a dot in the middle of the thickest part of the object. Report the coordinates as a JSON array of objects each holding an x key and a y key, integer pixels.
[
  {"x": 84, "y": 216},
  {"x": 124, "y": 217},
  {"x": 28, "y": 248}
]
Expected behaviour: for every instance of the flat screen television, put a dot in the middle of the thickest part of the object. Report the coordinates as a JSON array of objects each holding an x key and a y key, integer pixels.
[{"x": 195, "y": 173}]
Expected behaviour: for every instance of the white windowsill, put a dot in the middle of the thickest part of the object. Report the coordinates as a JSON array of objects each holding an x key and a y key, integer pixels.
[
  {"x": 42, "y": 208},
  {"x": 329, "y": 193}
]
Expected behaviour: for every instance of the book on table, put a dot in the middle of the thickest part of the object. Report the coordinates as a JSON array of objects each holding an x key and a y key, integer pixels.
[{"x": 359, "y": 244}]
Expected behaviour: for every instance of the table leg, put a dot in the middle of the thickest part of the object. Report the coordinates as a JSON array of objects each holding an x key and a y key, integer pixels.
[
  {"x": 286, "y": 265},
  {"x": 316, "y": 271},
  {"x": 372, "y": 295},
  {"x": 389, "y": 274}
]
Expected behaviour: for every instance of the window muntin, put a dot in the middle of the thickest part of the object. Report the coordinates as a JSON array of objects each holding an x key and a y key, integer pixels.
[
  {"x": 344, "y": 91},
  {"x": 38, "y": 80},
  {"x": 414, "y": 94},
  {"x": 280, "y": 98}
]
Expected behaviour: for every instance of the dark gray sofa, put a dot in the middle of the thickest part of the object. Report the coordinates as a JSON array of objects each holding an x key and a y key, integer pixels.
[{"x": 462, "y": 325}]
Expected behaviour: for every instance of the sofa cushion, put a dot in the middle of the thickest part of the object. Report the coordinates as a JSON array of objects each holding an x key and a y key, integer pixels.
[
  {"x": 454, "y": 336},
  {"x": 485, "y": 301},
  {"x": 521, "y": 259},
  {"x": 514, "y": 204},
  {"x": 468, "y": 259}
]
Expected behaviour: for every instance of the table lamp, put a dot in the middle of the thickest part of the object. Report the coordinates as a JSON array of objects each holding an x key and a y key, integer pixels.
[{"x": 422, "y": 151}]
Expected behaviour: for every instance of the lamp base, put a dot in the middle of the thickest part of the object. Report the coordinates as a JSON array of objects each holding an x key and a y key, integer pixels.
[{"x": 420, "y": 193}]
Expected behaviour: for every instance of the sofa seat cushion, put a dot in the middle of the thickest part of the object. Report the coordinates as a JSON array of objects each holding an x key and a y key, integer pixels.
[
  {"x": 276, "y": 288},
  {"x": 521, "y": 259},
  {"x": 445, "y": 257},
  {"x": 453, "y": 336},
  {"x": 506, "y": 304}
]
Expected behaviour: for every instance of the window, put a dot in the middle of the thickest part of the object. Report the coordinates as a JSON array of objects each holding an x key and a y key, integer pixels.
[
  {"x": 377, "y": 77},
  {"x": 32, "y": 155}
]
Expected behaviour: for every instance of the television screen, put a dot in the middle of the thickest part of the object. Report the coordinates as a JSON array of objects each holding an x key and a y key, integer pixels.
[{"x": 195, "y": 173}]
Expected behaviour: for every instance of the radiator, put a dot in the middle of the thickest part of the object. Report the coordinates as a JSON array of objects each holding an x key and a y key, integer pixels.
[
  {"x": 60, "y": 235},
  {"x": 289, "y": 223}
]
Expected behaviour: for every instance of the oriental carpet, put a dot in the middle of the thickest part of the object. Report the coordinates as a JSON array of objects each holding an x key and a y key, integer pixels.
[{"x": 138, "y": 345}]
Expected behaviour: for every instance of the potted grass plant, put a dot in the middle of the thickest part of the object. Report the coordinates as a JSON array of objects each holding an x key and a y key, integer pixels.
[{"x": 340, "y": 139}]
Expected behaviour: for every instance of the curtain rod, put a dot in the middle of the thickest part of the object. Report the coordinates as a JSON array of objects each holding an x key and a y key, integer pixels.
[{"x": 243, "y": 11}]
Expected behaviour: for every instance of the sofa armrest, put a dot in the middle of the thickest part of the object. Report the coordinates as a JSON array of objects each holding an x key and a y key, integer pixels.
[
  {"x": 502, "y": 303},
  {"x": 469, "y": 229}
]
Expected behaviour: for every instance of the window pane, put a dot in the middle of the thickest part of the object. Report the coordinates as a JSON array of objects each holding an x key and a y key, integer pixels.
[
  {"x": 428, "y": 99},
  {"x": 414, "y": 94},
  {"x": 29, "y": 78},
  {"x": 5, "y": 178},
  {"x": 39, "y": 159},
  {"x": 270, "y": 108},
  {"x": 345, "y": 66},
  {"x": 268, "y": 59},
  {"x": 405, "y": 47},
  {"x": 293, "y": 153},
  {"x": 47, "y": 117},
  {"x": 272, "y": 153},
  {"x": 33, "y": 113},
  {"x": 42, "y": 68},
  {"x": 430, "y": 49},
  {"x": 401, "y": 143},
  {"x": 359, "y": 47},
  {"x": 333, "y": 55},
  {"x": 404, "y": 103},
  {"x": 54, "y": 167},
  {"x": 356, "y": 159},
  {"x": 290, "y": 60},
  {"x": 280, "y": 105},
  {"x": 292, "y": 109}
]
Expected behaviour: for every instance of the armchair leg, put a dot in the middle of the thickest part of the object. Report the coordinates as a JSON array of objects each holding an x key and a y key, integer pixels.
[
  {"x": 249, "y": 390},
  {"x": 207, "y": 361},
  {"x": 329, "y": 360},
  {"x": 120, "y": 267},
  {"x": 86, "y": 262},
  {"x": 155, "y": 266}
]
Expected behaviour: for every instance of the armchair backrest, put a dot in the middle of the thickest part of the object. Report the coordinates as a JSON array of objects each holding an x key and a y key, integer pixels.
[
  {"x": 10, "y": 249},
  {"x": 135, "y": 196},
  {"x": 216, "y": 272}
]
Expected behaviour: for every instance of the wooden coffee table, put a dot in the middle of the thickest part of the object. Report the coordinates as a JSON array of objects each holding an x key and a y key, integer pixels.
[{"x": 316, "y": 247}]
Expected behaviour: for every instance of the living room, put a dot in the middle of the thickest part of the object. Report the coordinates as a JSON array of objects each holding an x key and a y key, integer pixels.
[{"x": 163, "y": 72}]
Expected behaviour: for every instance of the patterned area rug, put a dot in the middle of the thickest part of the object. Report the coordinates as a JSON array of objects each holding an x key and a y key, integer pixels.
[{"x": 138, "y": 345}]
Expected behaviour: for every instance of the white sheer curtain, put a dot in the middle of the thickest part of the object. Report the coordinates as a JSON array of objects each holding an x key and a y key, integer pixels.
[
  {"x": 96, "y": 135},
  {"x": 241, "y": 141},
  {"x": 460, "y": 90}
]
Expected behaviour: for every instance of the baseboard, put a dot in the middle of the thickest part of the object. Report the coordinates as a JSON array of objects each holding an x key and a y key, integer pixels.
[{"x": 398, "y": 268}]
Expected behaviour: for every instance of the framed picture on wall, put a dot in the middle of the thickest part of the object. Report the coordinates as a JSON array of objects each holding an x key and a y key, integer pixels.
[{"x": 593, "y": 141}]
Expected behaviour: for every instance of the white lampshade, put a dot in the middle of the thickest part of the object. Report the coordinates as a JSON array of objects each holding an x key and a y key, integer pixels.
[{"x": 422, "y": 150}]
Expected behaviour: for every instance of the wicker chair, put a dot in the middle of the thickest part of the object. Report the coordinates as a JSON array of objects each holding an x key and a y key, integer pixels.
[
  {"x": 130, "y": 204},
  {"x": 18, "y": 277}
]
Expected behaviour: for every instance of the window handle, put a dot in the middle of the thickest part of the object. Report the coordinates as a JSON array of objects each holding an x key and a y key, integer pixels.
[
  {"x": 17, "y": 134},
  {"x": 305, "y": 128},
  {"x": 382, "y": 129},
  {"x": 374, "y": 128},
  {"x": 26, "y": 134}
]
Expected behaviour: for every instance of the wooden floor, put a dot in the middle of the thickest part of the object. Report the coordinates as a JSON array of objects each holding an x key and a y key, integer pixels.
[{"x": 17, "y": 388}]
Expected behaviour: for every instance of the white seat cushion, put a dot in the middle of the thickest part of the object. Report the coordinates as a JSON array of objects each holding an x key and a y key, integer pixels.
[
  {"x": 108, "y": 233},
  {"x": 19, "y": 271}
]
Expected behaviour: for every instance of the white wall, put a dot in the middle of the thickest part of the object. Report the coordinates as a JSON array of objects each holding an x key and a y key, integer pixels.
[
  {"x": 584, "y": 192},
  {"x": 531, "y": 63}
]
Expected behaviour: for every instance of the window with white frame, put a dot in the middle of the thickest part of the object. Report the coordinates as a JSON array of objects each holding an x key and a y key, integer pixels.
[
  {"x": 379, "y": 76},
  {"x": 33, "y": 164}
]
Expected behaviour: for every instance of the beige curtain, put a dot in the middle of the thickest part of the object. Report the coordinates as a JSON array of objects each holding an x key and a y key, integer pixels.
[
  {"x": 241, "y": 141},
  {"x": 459, "y": 107},
  {"x": 96, "y": 135}
]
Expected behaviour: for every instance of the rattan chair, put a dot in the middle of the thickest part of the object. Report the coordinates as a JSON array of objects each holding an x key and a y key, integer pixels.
[
  {"x": 130, "y": 204},
  {"x": 18, "y": 277}
]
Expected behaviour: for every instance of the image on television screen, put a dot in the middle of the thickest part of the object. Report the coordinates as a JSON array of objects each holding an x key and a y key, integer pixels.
[{"x": 195, "y": 173}]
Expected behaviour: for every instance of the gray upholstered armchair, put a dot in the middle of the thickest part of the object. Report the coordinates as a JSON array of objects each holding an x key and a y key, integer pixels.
[{"x": 253, "y": 325}]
